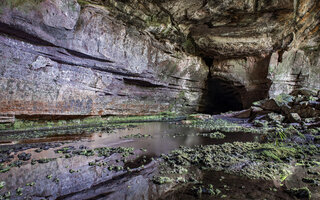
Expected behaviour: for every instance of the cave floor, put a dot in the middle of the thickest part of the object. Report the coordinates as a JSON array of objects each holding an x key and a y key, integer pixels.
[{"x": 131, "y": 162}]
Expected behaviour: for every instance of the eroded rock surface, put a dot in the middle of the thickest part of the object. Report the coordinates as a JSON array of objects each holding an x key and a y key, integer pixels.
[
  {"x": 104, "y": 57},
  {"x": 72, "y": 62}
]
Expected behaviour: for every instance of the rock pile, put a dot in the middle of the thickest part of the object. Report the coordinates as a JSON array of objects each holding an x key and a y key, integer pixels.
[{"x": 301, "y": 107}]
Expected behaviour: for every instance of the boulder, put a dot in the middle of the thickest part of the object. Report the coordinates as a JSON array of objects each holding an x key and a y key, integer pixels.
[
  {"x": 241, "y": 114},
  {"x": 304, "y": 92},
  {"x": 294, "y": 118},
  {"x": 307, "y": 111},
  {"x": 271, "y": 105},
  {"x": 275, "y": 117},
  {"x": 256, "y": 109}
]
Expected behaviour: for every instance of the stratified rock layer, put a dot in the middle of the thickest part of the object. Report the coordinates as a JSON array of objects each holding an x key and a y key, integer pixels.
[
  {"x": 106, "y": 57},
  {"x": 58, "y": 60}
]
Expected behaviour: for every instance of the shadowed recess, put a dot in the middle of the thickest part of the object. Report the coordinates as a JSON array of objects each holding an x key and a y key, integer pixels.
[{"x": 222, "y": 96}]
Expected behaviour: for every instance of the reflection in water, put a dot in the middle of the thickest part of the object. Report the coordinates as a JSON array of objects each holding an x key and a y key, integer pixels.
[{"x": 73, "y": 178}]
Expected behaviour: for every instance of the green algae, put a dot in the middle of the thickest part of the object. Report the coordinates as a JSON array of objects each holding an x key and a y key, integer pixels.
[
  {"x": 84, "y": 152},
  {"x": 217, "y": 135},
  {"x": 19, "y": 191},
  {"x": 6, "y": 196},
  {"x": 161, "y": 180},
  {"x": 21, "y": 124},
  {"x": 83, "y": 3},
  {"x": 224, "y": 126},
  {"x": 31, "y": 184},
  {"x": 44, "y": 160},
  {"x": 189, "y": 45},
  {"x": 253, "y": 160},
  {"x": 139, "y": 135},
  {"x": 26, "y": 129},
  {"x": 71, "y": 171},
  {"x": 2, "y": 184},
  {"x": 202, "y": 189},
  {"x": 108, "y": 151},
  {"x": 276, "y": 153},
  {"x": 4, "y": 169}
]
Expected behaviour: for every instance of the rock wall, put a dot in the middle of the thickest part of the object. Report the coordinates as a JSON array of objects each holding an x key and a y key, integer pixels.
[
  {"x": 298, "y": 65},
  {"x": 58, "y": 59},
  {"x": 107, "y": 57}
]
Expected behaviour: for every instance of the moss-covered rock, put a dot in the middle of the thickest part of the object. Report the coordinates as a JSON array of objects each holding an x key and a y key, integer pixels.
[{"x": 161, "y": 180}]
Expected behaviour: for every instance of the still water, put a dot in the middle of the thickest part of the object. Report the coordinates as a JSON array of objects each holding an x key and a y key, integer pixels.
[{"x": 74, "y": 178}]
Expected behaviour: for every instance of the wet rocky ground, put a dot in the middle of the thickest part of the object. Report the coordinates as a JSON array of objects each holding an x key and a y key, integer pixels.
[{"x": 253, "y": 154}]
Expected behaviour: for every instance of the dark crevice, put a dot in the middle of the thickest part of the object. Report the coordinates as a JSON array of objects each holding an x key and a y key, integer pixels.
[
  {"x": 112, "y": 71},
  {"x": 100, "y": 196},
  {"x": 208, "y": 61},
  {"x": 141, "y": 83},
  {"x": 280, "y": 53},
  {"x": 23, "y": 36},
  {"x": 50, "y": 117},
  {"x": 82, "y": 55}
]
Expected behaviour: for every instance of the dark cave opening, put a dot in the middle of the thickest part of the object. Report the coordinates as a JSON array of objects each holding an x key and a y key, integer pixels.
[
  {"x": 222, "y": 96},
  {"x": 208, "y": 61}
]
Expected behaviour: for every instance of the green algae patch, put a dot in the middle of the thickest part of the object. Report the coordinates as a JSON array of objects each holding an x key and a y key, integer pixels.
[
  {"x": 24, "y": 124},
  {"x": 132, "y": 136},
  {"x": 2, "y": 184},
  {"x": 161, "y": 180},
  {"x": 83, "y": 3},
  {"x": 102, "y": 151},
  {"x": 45, "y": 160},
  {"x": 276, "y": 153},
  {"x": 222, "y": 126},
  {"x": 237, "y": 158},
  {"x": 108, "y": 151},
  {"x": 199, "y": 190},
  {"x": 27, "y": 129},
  {"x": 217, "y": 135}
]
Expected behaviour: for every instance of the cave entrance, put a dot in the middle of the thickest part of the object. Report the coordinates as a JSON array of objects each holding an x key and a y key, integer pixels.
[{"x": 222, "y": 96}]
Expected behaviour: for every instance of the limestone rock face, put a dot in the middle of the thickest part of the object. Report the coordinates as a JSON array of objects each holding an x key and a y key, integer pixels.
[
  {"x": 298, "y": 69},
  {"x": 102, "y": 57},
  {"x": 72, "y": 62}
]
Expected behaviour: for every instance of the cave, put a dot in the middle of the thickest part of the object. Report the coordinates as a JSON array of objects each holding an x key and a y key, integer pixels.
[
  {"x": 221, "y": 96},
  {"x": 161, "y": 99}
]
